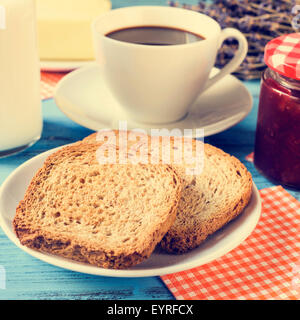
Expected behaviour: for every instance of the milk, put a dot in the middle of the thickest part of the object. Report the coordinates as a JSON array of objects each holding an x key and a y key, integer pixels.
[{"x": 20, "y": 106}]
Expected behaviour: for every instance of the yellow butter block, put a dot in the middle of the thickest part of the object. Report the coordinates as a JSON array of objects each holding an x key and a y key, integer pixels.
[{"x": 64, "y": 28}]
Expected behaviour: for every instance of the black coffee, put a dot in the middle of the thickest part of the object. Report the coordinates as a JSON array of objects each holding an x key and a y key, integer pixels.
[{"x": 153, "y": 35}]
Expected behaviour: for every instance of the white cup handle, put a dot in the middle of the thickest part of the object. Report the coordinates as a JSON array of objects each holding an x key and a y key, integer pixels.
[{"x": 238, "y": 58}]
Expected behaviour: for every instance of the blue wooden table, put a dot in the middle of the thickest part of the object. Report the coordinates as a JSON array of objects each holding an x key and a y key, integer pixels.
[{"x": 29, "y": 278}]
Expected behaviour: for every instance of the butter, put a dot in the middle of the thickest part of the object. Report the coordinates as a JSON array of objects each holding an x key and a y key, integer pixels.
[{"x": 64, "y": 28}]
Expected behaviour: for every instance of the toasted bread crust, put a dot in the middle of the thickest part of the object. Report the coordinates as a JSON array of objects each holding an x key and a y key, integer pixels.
[
  {"x": 182, "y": 238},
  {"x": 50, "y": 240},
  {"x": 178, "y": 241},
  {"x": 189, "y": 231}
]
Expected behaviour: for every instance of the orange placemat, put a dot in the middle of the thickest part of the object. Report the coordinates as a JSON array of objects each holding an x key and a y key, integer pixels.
[
  {"x": 48, "y": 83},
  {"x": 265, "y": 266}
]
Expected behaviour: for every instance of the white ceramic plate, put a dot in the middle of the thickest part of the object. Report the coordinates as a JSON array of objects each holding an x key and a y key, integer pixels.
[
  {"x": 85, "y": 98},
  {"x": 160, "y": 263},
  {"x": 62, "y": 66}
]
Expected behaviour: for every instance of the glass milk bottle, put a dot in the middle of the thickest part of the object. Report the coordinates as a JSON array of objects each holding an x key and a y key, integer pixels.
[{"x": 20, "y": 104}]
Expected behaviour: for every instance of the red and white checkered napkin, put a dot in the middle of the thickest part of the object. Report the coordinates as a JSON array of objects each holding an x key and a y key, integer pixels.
[
  {"x": 48, "y": 83},
  {"x": 266, "y": 266},
  {"x": 250, "y": 157}
]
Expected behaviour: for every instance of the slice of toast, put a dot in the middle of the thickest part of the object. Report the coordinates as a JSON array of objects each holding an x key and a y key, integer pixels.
[
  {"x": 108, "y": 215},
  {"x": 209, "y": 200}
]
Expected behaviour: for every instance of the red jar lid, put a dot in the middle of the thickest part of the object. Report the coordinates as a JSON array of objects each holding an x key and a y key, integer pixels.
[{"x": 283, "y": 55}]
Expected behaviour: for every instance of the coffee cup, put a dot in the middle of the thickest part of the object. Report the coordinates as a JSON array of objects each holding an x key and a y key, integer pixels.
[{"x": 158, "y": 83}]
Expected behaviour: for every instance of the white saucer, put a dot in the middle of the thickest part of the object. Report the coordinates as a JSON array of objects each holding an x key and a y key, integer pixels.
[
  {"x": 160, "y": 263},
  {"x": 85, "y": 98},
  {"x": 62, "y": 66}
]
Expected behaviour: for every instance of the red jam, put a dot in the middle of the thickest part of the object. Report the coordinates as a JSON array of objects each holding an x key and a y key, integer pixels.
[{"x": 277, "y": 144}]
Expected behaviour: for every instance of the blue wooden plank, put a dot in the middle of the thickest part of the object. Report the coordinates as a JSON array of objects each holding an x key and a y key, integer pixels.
[{"x": 29, "y": 278}]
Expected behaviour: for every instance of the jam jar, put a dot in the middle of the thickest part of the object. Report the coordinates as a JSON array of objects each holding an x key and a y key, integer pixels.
[{"x": 277, "y": 142}]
